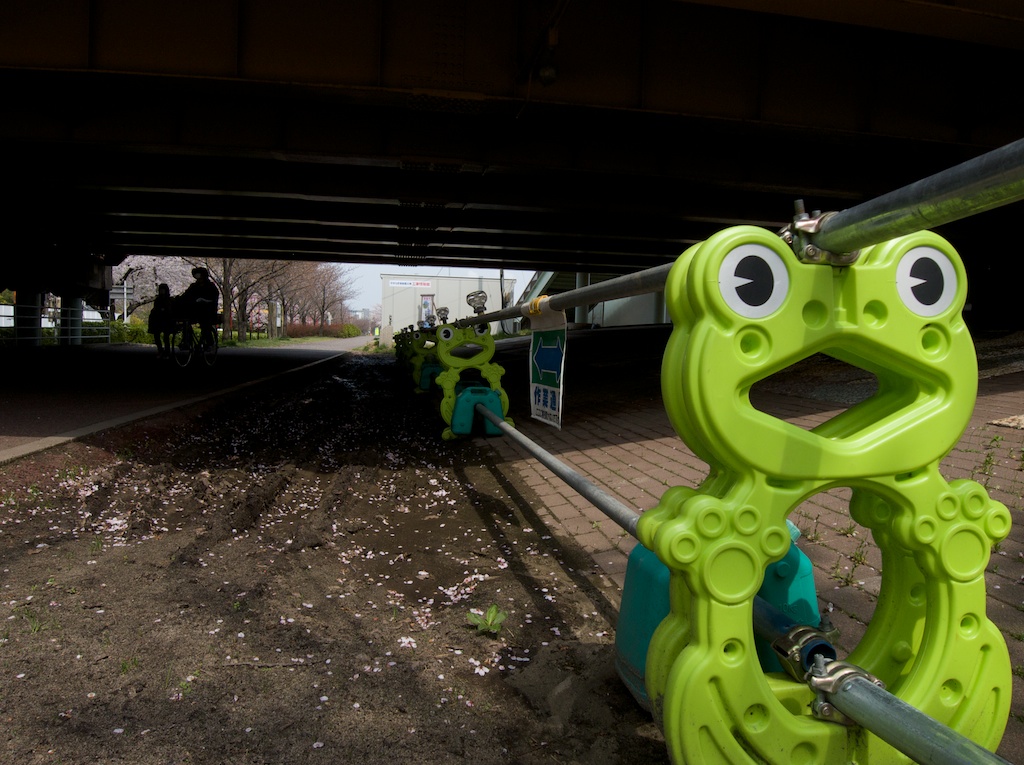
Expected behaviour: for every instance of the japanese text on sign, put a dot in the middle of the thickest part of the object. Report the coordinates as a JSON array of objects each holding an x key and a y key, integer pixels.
[{"x": 547, "y": 361}]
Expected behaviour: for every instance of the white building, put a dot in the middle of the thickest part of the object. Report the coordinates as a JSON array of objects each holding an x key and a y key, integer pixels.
[{"x": 407, "y": 300}]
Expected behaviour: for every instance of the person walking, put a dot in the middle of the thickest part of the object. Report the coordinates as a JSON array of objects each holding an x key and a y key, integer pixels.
[{"x": 161, "y": 322}]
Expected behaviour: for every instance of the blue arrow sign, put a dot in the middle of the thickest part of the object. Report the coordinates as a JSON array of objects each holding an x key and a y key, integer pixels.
[{"x": 547, "y": 359}]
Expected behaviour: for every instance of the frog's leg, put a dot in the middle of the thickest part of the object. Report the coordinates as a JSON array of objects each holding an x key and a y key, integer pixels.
[
  {"x": 704, "y": 677},
  {"x": 960, "y": 672},
  {"x": 447, "y": 381},
  {"x": 493, "y": 373}
]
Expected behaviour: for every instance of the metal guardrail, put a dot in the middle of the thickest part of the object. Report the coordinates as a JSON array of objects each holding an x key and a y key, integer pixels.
[
  {"x": 56, "y": 326},
  {"x": 984, "y": 183},
  {"x": 71, "y": 328},
  {"x": 920, "y": 737}
]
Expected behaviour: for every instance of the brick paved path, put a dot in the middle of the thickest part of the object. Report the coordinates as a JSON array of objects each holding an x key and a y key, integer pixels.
[{"x": 630, "y": 450}]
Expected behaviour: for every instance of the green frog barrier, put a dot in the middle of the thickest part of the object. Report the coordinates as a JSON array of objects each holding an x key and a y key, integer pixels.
[{"x": 743, "y": 308}]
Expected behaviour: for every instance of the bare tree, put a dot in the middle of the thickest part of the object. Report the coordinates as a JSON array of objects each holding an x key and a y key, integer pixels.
[
  {"x": 331, "y": 287},
  {"x": 304, "y": 296},
  {"x": 289, "y": 290},
  {"x": 312, "y": 293},
  {"x": 285, "y": 295},
  {"x": 243, "y": 284}
]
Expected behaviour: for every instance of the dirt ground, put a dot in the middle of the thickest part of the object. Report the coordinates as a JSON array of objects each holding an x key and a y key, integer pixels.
[{"x": 286, "y": 576}]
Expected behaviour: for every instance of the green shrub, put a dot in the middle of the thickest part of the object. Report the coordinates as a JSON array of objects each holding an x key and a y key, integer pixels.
[
  {"x": 92, "y": 332},
  {"x": 330, "y": 330},
  {"x": 130, "y": 332}
]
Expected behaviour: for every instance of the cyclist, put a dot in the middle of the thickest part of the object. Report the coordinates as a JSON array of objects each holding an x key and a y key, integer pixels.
[{"x": 198, "y": 303}]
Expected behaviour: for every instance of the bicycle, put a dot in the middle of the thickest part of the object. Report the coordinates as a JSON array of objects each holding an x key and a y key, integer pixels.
[{"x": 187, "y": 343}]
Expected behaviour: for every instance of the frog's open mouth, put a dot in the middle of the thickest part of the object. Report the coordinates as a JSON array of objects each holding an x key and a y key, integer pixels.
[
  {"x": 467, "y": 350},
  {"x": 858, "y": 393},
  {"x": 823, "y": 383}
]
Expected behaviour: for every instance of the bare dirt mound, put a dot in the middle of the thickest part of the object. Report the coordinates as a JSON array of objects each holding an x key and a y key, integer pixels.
[{"x": 287, "y": 576}]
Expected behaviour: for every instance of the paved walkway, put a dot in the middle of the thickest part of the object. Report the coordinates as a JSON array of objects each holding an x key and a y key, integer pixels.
[
  {"x": 632, "y": 452},
  {"x": 50, "y": 395}
]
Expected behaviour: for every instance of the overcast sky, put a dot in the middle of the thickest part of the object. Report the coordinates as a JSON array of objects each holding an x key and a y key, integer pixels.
[{"x": 368, "y": 288}]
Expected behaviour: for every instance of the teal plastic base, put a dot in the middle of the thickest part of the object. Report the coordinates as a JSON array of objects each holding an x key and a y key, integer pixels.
[
  {"x": 428, "y": 373},
  {"x": 788, "y": 585},
  {"x": 464, "y": 412},
  {"x": 644, "y": 605}
]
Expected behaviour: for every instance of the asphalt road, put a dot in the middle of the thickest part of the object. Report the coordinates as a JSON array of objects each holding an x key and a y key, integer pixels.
[{"x": 50, "y": 395}]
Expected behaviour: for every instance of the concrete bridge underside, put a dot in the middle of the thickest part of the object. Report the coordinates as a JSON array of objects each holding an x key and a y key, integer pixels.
[{"x": 581, "y": 135}]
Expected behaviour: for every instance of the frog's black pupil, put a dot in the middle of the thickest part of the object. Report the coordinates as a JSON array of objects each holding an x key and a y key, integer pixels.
[
  {"x": 759, "y": 289},
  {"x": 929, "y": 290}
]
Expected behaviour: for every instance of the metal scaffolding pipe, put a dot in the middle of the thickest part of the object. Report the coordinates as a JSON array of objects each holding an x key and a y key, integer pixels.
[
  {"x": 607, "y": 504},
  {"x": 638, "y": 283},
  {"x": 920, "y": 737},
  {"x": 983, "y": 183},
  {"x": 795, "y": 645}
]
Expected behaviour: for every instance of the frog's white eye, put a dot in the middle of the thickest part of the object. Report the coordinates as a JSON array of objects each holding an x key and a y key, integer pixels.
[
  {"x": 926, "y": 281},
  {"x": 446, "y": 333},
  {"x": 482, "y": 329},
  {"x": 753, "y": 280}
]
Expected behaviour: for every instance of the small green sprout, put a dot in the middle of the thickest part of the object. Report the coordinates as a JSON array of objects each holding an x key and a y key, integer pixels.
[{"x": 488, "y": 622}]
